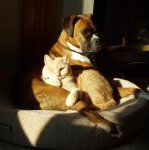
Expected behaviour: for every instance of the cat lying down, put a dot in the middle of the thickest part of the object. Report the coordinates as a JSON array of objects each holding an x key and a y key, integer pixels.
[{"x": 57, "y": 72}]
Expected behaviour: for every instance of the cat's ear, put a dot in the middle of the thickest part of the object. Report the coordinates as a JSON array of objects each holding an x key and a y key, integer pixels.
[
  {"x": 47, "y": 59},
  {"x": 65, "y": 59}
]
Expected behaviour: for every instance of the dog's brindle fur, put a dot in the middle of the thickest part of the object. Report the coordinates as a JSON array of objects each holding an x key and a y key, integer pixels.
[{"x": 79, "y": 34}]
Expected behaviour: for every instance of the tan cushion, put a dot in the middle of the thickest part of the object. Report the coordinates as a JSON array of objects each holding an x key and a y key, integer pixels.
[{"x": 65, "y": 130}]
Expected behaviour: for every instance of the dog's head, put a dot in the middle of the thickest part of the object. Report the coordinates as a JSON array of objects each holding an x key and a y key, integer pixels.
[{"x": 82, "y": 32}]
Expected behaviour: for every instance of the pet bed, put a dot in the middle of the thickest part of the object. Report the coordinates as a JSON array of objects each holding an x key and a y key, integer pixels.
[{"x": 70, "y": 130}]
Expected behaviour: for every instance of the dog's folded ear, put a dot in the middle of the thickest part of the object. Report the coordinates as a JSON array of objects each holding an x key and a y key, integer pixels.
[{"x": 68, "y": 24}]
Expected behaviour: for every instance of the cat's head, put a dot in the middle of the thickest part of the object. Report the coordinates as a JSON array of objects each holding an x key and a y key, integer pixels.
[{"x": 59, "y": 65}]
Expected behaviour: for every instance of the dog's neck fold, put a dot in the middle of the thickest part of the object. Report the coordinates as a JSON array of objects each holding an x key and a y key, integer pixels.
[
  {"x": 74, "y": 57},
  {"x": 77, "y": 56}
]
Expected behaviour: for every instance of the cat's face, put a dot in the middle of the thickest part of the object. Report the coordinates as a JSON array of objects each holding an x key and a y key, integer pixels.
[{"x": 59, "y": 66}]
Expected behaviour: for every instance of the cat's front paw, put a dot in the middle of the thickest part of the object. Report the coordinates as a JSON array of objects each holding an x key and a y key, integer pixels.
[{"x": 72, "y": 97}]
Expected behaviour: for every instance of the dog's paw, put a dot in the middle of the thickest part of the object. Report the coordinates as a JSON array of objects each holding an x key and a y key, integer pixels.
[{"x": 105, "y": 124}]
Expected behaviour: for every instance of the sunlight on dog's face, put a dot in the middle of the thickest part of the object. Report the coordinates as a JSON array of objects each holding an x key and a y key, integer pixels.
[
  {"x": 85, "y": 34},
  {"x": 92, "y": 42}
]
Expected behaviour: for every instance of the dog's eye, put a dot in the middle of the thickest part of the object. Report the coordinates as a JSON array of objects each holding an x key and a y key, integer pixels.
[{"x": 87, "y": 32}]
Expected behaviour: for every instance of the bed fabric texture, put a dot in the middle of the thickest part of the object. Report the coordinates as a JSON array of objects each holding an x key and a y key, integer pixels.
[{"x": 70, "y": 130}]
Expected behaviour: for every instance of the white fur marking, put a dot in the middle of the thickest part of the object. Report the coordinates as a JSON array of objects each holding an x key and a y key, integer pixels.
[
  {"x": 72, "y": 97},
  {"x": 127, "y": 98},
  {"x": 126, "y": 83},
  {"x": 76, "y": 56},
  {"x": 94, "y": 36}
]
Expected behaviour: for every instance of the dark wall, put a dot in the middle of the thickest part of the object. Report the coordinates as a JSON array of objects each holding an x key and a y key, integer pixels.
[
  {"x": 121, "y": 18},
  {"x": 10, "y": 32}
]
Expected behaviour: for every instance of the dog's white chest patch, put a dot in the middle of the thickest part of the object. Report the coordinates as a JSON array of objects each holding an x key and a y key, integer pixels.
[
  {"x": 79, "y": 57},
  {"x": 76, "y": 56}
]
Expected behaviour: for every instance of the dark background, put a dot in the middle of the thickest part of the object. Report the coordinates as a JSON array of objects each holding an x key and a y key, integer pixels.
[
  {"x": 123, "y": 24},
  {"x": 121, "y": 18}
]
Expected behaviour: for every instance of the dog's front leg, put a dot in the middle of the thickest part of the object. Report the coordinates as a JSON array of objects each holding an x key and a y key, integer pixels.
[
  {"x": 49, "y": 96},
  {"x": 86, "y": 109}
]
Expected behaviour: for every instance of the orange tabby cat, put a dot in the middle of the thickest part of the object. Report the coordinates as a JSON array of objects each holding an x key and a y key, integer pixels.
[
  {"x": 97, "y": 88},
  {"x": 57, "y": 72}
]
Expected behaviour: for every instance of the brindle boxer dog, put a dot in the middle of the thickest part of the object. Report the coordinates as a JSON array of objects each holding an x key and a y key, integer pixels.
[{"x": 78, "y": 41}]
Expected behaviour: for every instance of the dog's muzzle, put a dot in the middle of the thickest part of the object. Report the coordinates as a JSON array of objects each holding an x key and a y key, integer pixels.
[{"x": 92, "y": 45}]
